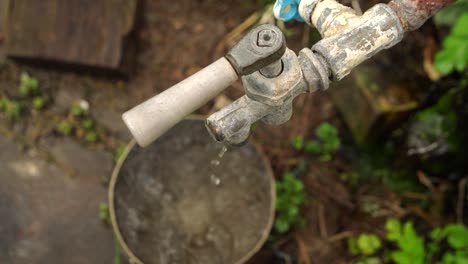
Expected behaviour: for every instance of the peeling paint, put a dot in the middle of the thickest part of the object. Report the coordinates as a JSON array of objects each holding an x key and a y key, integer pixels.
[
  {"x": 375, "y": 30},
  {"x": 331, "y": 18}
]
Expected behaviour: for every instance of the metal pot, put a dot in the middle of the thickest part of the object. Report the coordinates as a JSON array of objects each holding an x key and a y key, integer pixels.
[{"x": 184, "y": 199}]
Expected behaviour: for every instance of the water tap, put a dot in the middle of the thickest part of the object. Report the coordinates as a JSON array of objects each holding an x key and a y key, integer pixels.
[
  {"x": 269, "y": 94},
  {"x": 272, "y": 74}
]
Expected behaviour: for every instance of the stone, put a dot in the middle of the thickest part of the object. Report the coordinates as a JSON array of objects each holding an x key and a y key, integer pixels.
[
  {"x": 48, "y": 217},
  {"x": 86, "y": 163},
  {"x": 85, "y": 32}
]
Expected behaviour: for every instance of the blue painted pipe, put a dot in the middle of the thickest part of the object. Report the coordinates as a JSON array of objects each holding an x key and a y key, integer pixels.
[{"x": 287, "y": 10}]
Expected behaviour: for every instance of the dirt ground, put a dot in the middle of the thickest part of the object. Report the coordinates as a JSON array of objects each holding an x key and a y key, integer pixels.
[{"x": 174, "y": 40}]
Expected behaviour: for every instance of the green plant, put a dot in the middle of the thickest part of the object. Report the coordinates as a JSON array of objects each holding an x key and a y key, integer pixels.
[
  {"x": 91, "y": 136},
  {"x": 450, "y": 15},
  {"x": 11, "y": 108},
  {"x": 297, "y": 142},
  {"x": 326, "y": 143},
  {"x": 369, "y": 260},
  {"x": 38, "y": 102},
  {"x": 104, "y": 213},
  {"x": 454, "y": 53},
  {"x": 447, "y": 245},
  {"x": 87, "y": 123},
  {"x": 411, "y": 246},
  {"x": 456, "y": 236},
  {"x": 78, "y": 110},
  {"x": 3, "y": 103},
  {"x": 119, "y": 152},
  {"x": 290, "y": 196},
  {"x": 117, "y": 259},
  {"x": 28, "y": 85},
  {"x": 365, "y": 244},
  {"x": 64, "y": 127}
]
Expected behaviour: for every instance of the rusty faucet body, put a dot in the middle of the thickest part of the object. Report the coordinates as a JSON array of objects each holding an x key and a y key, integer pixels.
[{"x": 274, "y": 75}]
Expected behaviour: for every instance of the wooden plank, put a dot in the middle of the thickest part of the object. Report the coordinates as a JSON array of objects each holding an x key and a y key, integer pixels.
[
  {"x": 3, "y": 12},
  {"x": 85, "y": 32}
]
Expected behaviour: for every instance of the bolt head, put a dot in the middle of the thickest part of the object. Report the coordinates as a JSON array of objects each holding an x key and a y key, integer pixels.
[{"x": 266, "y": 38}]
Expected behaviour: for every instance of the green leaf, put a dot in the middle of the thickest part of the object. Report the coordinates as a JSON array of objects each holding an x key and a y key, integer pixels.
[
  {"x": 91, "y": 136},
  {"x": 454, "y": 55},
  {"x": 368, "y": 244},
  {"x": 393, "y": 228},
  {"x": 372, "y": 260},
  {"x": 325, "y": 157},
  {"x": 104, "y": 213},
  {"x": 23, "y": 91},
  {"x": 297, "y": 142},
  {"x": 460, "y": 27},
  {"x": 12, "y": 110},
  {"x": 332, "y": 144},
  {"x": 448, "y": 258},
  {"x": 326, "y": 131},
  {"x": 77, "y": 110},
  {"x": 411, "y": 241},
  {"x": 297, "y": 199},
  {"x": 432, "y": 248},
  {"x": 290, "y": 196},
  {"x": 353, "y": 248},
  {"x": 293, "y": 212},
  {"x": 403, "y": 257},
  {"x": 461, "y": 257},
  {"x": 437, "y": 234},
  {"x": 450, "y": 14},
  {"x": 297, "y": 186},
  {"x": 121, "y": 150},
  {"x": 457, "y": 236},
  {"x": 313, "y": 146},
  {"x": 282, "y": 226},
  {"x": 38, "y": 102},
  {"x": 65, "y": 128},
  {"x": 28, "y": 85},
  {"x": 281, "y": 204},
  {"x": 88, "y": 123}
]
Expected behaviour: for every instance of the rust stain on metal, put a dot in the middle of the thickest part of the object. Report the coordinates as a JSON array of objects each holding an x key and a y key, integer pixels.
[{"x": 413, "y": 13}]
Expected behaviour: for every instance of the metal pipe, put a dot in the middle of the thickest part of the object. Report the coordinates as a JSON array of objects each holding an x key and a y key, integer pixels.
[
  {"x": 152, "y": 118},
  {"x": 272, "y": 70},
  {"x": 413, "y": 13},
  {"x": 331, "y": 18},
  {"x": 377, "y": 29},
  {"x": 232, "y": 123}
]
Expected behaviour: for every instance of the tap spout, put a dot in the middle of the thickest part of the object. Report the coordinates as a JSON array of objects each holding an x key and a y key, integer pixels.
[{"x": 232, "y": 124}]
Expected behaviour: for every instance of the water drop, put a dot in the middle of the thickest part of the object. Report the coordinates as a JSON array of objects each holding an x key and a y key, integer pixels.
[
  {"x": 215, "y": 162},
  {"x": 215, "y": 180},
  {"x": 222, "y": 152}
]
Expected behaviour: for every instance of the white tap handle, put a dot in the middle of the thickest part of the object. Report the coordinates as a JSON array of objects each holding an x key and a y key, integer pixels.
[{"x": 152, "y": 118}]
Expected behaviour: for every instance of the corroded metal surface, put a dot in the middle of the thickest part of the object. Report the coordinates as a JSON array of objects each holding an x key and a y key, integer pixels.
[
  {"x": 262, "y": 46},
  {"x": 372, "y": 32},
  {"x": 413, "y": 13},
  {"x": 331, "y": 18},
  {"x": 267, "y": 99}
]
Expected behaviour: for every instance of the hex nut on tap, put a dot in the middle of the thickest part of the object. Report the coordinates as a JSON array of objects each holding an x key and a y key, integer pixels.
[
  {"x": 266, "y": 38},
  {"x": 262, "y": 46}
]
